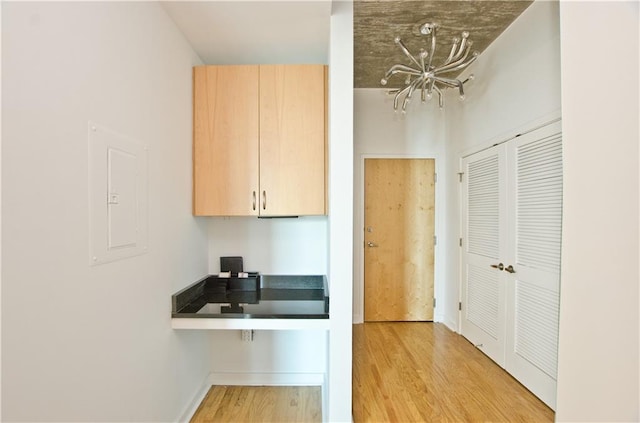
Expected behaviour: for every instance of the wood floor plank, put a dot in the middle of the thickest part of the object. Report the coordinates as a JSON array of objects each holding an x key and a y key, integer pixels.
[
  {"x": 256, "y": 404},
  {"x": 419, "y": 372}
]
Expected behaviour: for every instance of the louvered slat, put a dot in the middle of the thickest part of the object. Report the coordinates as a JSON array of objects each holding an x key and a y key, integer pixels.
[
  {"x": 483, "y": 207},
  {"x": 482, "y": 299},
  {"x": 539, "y": 203},
  {"x": 537, "y": 326}
]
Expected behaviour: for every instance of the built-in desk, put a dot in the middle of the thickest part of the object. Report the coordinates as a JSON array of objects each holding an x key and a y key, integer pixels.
[{"x": 258, "y": 302}]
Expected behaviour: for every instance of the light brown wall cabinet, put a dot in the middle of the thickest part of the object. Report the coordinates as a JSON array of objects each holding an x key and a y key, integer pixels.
[{"x": 259, "y": 140}]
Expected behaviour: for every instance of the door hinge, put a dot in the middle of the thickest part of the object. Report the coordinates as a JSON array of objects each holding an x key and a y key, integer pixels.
[
  {"x": 434, "y": 303},
  {"x": 460, "y": 243},
  {"x": 435, "y": 177},
  {"x": 435, "y": 240},
  {"x": 460, "y": 176},
  {"x": 460, "y": 306}
]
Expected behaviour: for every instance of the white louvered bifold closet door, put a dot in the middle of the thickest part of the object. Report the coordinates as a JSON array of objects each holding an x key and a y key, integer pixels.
[
  {"x": 484, "y": 235},
  {"x": 511, "y": 239},
  {"x": 533, "y": 291}
]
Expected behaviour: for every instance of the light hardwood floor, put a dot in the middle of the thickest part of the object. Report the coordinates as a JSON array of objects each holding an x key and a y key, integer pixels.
[
  {"x": 423, "y": 372},
  {"x": 402, "y": 372},
  {"x": 260, "y": 404}
]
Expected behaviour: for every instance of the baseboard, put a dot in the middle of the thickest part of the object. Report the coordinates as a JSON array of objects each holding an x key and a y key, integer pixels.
[
  {"x": 451, "y": 324},
  {"x": 267, "y": 379},
  {"x": 191, "y": 409},
  {"x": 325, "y": 398}
]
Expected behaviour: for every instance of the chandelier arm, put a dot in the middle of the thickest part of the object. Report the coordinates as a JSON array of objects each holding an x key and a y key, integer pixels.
[
  {"x": 433, "y": 47},
  {"x": 398, "y": 94},
  {"x": 454, "y": 46},
  {"x": 430, "y": 88},
  {"x": 401, "y": 69},
  {"x": 422, "y": 89},
  {"x": 459, "y": 67},
  {"x": 440, "y": 99},
  {"x": 454, "y": 83},
  {"x": 407, "y": 52},
  {"x": 407, "y": 97},
  {"x": 463, "y": 45},
  {"x": 452, "y": 65},
  {"x": 445, "y": 82}
]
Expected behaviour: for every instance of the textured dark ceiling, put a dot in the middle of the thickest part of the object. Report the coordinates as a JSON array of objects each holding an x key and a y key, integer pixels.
[{"x": 377, "y": 23}]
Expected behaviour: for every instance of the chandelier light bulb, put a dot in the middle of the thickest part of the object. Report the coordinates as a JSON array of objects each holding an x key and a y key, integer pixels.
[{"x": 383, "y": 81}]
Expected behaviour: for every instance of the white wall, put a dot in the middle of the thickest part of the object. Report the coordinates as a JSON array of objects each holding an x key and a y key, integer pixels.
[
  {"x": 276, "y": 353},
  {"x": 84, "y": 343},
  {"x": 599, "y": 327},
  {"x": 381, "y": 132},
  {"x": 340, "y": 210},
  {"x": 271, "y": 246},
  {"x": 516, "y": 86}
]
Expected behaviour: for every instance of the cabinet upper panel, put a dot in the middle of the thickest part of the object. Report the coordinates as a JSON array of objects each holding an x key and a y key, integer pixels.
[
  {"x": 226, "y": 135},
  {"x": 259, "y": 140},
  {"x": 292, "y": 139}
]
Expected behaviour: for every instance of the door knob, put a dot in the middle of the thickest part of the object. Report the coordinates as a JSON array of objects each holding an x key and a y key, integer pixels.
[
  {"x": 510, "y": 269},
  {"x": 498, "y": 266},
  {"x": 371, "y": 244}
]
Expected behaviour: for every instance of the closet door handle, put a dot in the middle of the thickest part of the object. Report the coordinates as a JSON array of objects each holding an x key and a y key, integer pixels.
[
  {"x": 509, "y": 269},
  {"x": 254, "y": 200},
  {"x": 498, "y": 266},
  {"x": 264, "y": 200}
]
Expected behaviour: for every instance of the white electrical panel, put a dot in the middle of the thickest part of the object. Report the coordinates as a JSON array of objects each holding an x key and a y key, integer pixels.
[{"x": 117, "y": 195}]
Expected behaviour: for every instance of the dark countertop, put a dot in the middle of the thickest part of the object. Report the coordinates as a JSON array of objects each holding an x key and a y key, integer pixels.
[{"x": 258, "y": 296}]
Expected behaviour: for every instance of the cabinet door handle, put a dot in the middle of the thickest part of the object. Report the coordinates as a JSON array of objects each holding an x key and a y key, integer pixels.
[
  {"x": 510, "y": 269},
  {"x": 498, "y": 266},
  {"x": 254, "y": 200},
  {"x": 264, "y": 200}
]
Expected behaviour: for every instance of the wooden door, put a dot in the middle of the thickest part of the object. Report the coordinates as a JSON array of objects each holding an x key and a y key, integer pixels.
[
  {"x": 292, "y": 140},
  {"x": 399, "y": 239},
  {"x": 225, "y": 140}
]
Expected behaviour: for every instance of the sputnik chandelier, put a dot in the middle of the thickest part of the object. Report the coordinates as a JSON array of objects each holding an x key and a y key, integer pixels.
[{"x": 426, "y": 77}]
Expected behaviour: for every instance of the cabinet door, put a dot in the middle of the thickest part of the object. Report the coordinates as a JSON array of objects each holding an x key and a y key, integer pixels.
[
  {"x": 225, "y": 140},
  {"x": 292, "y": 140}
]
